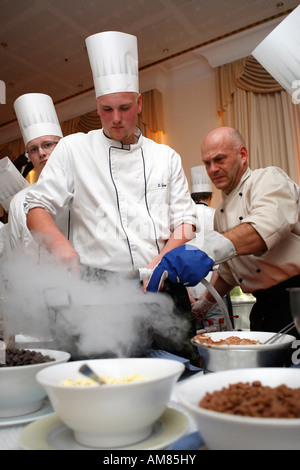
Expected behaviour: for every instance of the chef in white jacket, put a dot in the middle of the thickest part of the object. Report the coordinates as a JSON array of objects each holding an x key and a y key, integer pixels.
[
  {"x": 128, "y": 196},
  {"x": 41, "y": 132}
]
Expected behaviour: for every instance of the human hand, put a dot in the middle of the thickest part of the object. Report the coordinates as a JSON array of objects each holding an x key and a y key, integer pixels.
[
  {"x": 185, "y": 264},
  {"x": 200, "y": 307},
  {"x": 67, "y": 256},
  {"x": 189, "y": 265}
]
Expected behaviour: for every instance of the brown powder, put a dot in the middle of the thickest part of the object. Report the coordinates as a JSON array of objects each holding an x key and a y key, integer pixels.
[
  {"x": 256, "y": 400},
  {"x": 231, "y": 340}
]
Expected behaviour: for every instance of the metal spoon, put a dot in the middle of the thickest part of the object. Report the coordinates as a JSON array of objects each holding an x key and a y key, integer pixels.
[
  {"x": 88, "y": 372},
  {"x": 283, "y": 332},
  {"x": 220, "y": 302}
]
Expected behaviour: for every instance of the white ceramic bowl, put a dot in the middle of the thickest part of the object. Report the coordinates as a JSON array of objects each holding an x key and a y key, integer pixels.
[
  {"x": 222, "y": 431},
  {"x": 222, "y": 357},
  {"x": 112, "y": 415},
  {"x": 20, "y": 393}
]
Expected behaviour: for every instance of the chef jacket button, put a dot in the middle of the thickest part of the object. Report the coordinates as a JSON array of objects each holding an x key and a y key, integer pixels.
[
  {"x": 240, "y": 194},
  {"x": 222, "y": 210},
  {"x": 240, "y": 279},
  {"x": 258, "y": 270},
  {"x": 241, "y": 217}
]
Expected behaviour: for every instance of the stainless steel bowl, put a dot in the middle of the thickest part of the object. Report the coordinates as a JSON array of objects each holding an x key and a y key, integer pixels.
[{"x": 217, "y": 358}]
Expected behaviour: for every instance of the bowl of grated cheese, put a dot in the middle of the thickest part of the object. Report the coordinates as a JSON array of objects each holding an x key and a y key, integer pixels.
[
  {"x": 121, "y": 411},
  {"x": 106, "y": 379}
]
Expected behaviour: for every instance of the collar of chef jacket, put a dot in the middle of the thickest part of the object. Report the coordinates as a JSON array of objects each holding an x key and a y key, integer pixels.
[
  {"x": 117, "y": 144},
  {"x": 244, "y": 177}
]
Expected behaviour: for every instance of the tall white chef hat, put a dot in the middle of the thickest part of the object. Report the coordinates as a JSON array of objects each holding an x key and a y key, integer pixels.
[
  {"x": 200, "y": 182},
  {"x": 114, "y": 62},
  {"x": 36, "y": 116},
  {"x": 279, "y": 52}
]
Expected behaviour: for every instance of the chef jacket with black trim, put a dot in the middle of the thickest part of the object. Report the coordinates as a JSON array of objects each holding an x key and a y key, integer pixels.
[
  {"x": 269, "y": 200},
  {"x": 124, "y": 201}
]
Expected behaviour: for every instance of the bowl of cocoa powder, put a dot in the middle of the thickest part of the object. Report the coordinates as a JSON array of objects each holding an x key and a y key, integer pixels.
[
  {"x": 246, "y": 409},
  {"x": 20, "y": 393}
]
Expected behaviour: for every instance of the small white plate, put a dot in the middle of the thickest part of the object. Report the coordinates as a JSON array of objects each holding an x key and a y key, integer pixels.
[
  {"x": 45, "y": 410},
  {"x": 50, "y": 433}
]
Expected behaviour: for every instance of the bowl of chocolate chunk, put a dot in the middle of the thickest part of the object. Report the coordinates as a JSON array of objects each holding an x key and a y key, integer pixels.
[
  {"x": 20, "y": 393},
  {"x": 246, "y": 409}
]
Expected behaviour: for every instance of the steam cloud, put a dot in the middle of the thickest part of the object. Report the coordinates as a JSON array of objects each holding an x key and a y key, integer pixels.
[{"x": 88, "y": 317}]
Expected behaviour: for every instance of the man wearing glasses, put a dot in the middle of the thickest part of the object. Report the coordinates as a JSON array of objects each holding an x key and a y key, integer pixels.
[{"x": 41, "y": 132}]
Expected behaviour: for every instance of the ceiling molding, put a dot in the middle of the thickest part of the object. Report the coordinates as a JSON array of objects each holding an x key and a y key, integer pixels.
[
  {"x": 200, "y": 63},
  {"x": 237, "y": 47}
]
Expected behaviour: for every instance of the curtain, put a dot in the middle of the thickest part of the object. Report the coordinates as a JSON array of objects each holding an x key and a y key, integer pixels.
[
  {"x": 12, "y": 149},
  {"x": 253, "y": 102},
  {"x": 151, "y": 119}
]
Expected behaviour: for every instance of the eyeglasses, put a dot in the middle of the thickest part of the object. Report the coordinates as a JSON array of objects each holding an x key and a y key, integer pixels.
[{"x": 47, "y": 147}]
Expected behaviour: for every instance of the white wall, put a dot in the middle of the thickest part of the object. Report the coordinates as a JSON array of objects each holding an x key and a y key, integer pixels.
[{"x": 189, "y": 114}]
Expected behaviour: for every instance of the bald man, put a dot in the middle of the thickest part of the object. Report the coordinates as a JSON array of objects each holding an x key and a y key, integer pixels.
[{"x": 256, "y": 237}]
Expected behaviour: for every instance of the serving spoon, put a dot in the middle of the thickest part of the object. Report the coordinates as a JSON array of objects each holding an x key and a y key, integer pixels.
[{"x": 88, "y": 372}]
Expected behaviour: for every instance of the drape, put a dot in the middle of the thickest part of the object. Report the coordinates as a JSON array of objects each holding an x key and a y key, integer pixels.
[
  {"x": 151, "y": 119},
  {"x": 253, "y": 102}
]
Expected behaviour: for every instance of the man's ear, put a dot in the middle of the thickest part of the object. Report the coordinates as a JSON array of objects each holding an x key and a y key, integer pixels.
[
  {"x": 244, "y": 153},
  {"x": 139, "y": 103}
]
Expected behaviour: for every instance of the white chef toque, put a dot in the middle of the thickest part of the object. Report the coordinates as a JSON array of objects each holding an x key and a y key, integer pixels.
[
  {"x": 200, "y": 182},
  {"x": 114, "y": 62},
  {"x": 279, "y": 52},
  {"x": 36, "y": 116}
]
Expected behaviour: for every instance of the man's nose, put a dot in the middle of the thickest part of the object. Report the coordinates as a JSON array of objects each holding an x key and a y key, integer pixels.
[
  {"x": 116, "y": 116},
  {"x": 213, "y": 167},
  {"x": 41, "y": 151}
]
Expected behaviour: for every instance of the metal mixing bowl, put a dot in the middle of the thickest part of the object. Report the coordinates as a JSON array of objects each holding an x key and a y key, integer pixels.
[{"x": 217, "y": 358}]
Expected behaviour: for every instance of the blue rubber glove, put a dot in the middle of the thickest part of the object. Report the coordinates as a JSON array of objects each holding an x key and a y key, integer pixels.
[{"x": 186, "y": 264}]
